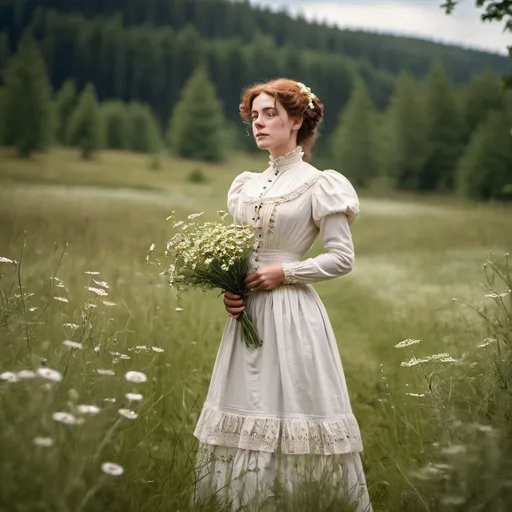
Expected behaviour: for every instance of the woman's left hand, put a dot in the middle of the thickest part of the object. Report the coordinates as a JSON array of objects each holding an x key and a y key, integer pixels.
[{"x": 265, "y": 278}]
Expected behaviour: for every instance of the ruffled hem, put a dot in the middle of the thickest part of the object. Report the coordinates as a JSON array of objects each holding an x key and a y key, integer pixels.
[{"x": 276, "y": 434}]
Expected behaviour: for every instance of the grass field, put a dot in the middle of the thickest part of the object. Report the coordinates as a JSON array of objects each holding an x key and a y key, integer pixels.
[{"x": 63, "y": 218}]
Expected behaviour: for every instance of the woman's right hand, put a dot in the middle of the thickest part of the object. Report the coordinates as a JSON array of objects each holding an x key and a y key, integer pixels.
[{"x": 234, "y": 304}]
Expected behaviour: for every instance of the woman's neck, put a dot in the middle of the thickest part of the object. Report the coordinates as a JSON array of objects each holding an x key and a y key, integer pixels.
[{"x": 282, "y": 150}]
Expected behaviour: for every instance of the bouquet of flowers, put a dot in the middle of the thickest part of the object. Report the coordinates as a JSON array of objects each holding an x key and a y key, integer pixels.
[{"x": 212, "y": 255}]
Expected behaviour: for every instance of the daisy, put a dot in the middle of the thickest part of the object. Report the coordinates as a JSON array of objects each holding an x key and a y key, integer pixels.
[
  {"x": 88, "y": 409},
  {"x": 133, "y": 376},
  {"x": 156, "y": 349},
  {"x": 73, "y": 344},
  {"x": 127, "y": 413},
  {"x": 49, "y": 374},
  {"x": 9, "y": 377},
  {"x": 112, "y": 469},
  {"x": 64, "y": 417},
  {"x": 134, "y": 396}
]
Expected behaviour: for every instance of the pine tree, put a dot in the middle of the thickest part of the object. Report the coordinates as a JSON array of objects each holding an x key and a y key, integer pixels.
[
  {"x": 196, "y": 126},
  {"x": 115, "y": 125},
  {"x": 352, "y": 145},
  {"x": 403, "y": 138},
  {"x": 65, "y": 103},
  {"x": 84, "y": 125},
  {"x": 3, "y": 127},
  {"x": 485, "y": 168},
  {"x": 27, "y": 99},
  {"x": 143, "y": 129},
  {"x": 445, "y": 132}
]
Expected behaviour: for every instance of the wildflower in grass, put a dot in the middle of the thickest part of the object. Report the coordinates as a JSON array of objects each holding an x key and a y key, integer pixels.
[
  {"x": 112, "y": 469},
  {"x": 452, "y": 500},
  {"x": 449, "y": 359},
  {"x": 98, "y": 291},
  {"x": 419, "y": 395},
  {"x": 124, "y": 356},
  {"x": 413, "y": 362},
  {"x": 454, "y": 449},
  {"x": 179, "y": 310},
  {"x": 152, "y": 247},
  {"x": 97, "y": 348},
  {"x": 134, "y": 396},
  {"x": 194, "y": 216},
  {"x": 142, "y": 347},
  {"x": 407, "y": 343},
  {"x": 111, "y": 400},
  {"x": 73, "y": 344},
  {"x": 103, "y": 284},
  {"x": 157, "y": 349},
  {"x": 92, "y": 273},
  {"x": 127, "y": 413},
  {"x": 88, "y": 409},
  {"x": 61, "y": 299},
  {"x": 45, "y": 442},
  {"x": 105, "y": 372},
  {"x": 33, "y": 309},
  {"x": 213, "y": 255},
  {"x": 427, "y": 473},
  {"x": 108, "y": 303},
  {"x": 486, "y": 341},
  {"x": 90, "y": 305},
  {"x": 9, "y": 377},
  {"x": 64, "y": 417},
  {"x": 495, "y": 296},
  {"x": 71, "y": 326},
  {"x": 6, "y": 260},
  {"x": 49, "y": 374},
  {"x": 26, "y": 374},
  {"x": 133, "y": 376}
]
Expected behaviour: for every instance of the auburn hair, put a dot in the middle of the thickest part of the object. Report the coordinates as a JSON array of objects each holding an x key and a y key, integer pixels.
[{"x": 296, "y": 103}]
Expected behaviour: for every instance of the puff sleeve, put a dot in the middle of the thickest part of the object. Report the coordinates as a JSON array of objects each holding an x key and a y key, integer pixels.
[
  {"x": 335, "y": 206},
  {"x": 236, "y": 189}
]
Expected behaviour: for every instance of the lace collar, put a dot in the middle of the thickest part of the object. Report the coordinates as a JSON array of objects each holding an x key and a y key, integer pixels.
[{"x": 292, "y": 157}]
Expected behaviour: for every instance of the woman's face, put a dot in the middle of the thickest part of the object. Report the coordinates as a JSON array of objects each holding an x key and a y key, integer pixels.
[{"x": 272, "y": 127}]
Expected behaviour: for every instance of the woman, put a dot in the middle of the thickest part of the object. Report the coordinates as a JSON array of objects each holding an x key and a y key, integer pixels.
[{"x": 280, "y": 414}]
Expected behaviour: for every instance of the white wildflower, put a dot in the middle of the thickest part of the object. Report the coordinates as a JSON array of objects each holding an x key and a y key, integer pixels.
[
  {"x": 90, "y": 305},
  {"x": 194, "y": 216},
  {"x": 179, "y": 310},
  {"x": 49, "y": 374},
  {"x": 98, "y": 291},
  {"x": 108, "y": 303},
  {"x": 97, "y": 348},
  {"x": 157, "y": 349},
  {"x": 103, "y": 284},
  {"x": 454, "y": 449},
  {"x": 64, "y": 417},
  {"x": 73, "y": 344},
  {"x": 91, "y": 272},
  {"x": 112, "y": 400},
  {"x": 45, "y": 442},
  {"x": 26, "y": 374},
  {"x": 134, "y": 396},
  {"x": 413, "y": 362},
  {"x": 5, "y": 260},
  {"x": 485, "y": 428},
  {"x": 105, "y": 372},
  {"x": 112, "y": 469},
  {"x": 178, "y": 224},
  {"x": 124, "y": 356},
  {"x": 486, "y": 341},
  {"x": 133, "y": 376},
  {"x": 448, "y": 360},
  {"x": 452, "y": 500},
  {"x": 33, "y": 309},
  {"x": 61, "y": 299},
  {"x": 87, "y": 409},
  {"x": 415, "y": 394},
  {"x": 72, "y": 326},
  {"x": 9, "y": 377},
  {"x": 127, "y": 413},
  {"x": 141, "y": 347},
  {"x": 407, "y": 343},
  {"x": 152, "y": 247}
]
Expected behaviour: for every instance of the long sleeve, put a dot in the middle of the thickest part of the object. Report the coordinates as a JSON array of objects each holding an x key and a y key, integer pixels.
[{"x": 335, "y": 206}]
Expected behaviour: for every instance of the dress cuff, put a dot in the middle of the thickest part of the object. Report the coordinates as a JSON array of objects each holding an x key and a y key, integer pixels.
[{"x": 289, "y": 273}]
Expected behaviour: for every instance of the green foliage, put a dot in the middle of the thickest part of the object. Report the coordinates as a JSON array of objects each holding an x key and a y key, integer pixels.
[
  {"x": 143, "y": 131},
  {"x": 444, "y": 131},
  {"x": 4, "y": 50},
  {"x": 65, "y": 103},
  {"x": 197, "y": 123},
  {"x": 402, "y": 135},
  {"x": 354, "y": 137},
  {"x": 85, "y": 123},
  {"x": 485, "y": 170},
  {"x": 27, "y": 103},
  {"x": 196, "y": 175},
  {"x": 115, "y": 125}
]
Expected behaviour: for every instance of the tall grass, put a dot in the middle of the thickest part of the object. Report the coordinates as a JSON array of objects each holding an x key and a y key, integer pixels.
[{"x": 436, "y": 430}]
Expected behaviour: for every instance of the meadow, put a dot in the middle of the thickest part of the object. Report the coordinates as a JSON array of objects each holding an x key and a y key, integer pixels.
[{"x": 435, "y": 429}]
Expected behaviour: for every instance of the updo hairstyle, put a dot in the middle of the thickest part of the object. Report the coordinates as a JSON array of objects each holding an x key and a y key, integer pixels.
[{"x": 295, "y": 101}]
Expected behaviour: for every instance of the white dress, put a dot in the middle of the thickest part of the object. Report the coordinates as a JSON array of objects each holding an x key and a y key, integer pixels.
[{"x": 282, "y": 411}]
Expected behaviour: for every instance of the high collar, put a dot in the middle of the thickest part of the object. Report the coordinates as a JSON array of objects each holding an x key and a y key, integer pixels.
[{"x": 285, "y": 161}]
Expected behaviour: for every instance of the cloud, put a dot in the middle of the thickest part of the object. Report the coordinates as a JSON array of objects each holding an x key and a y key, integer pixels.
[{"x": 413, "y": 18}]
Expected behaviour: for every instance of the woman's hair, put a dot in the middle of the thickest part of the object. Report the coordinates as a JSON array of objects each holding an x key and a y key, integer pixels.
[{"x": 297, "y": 102}]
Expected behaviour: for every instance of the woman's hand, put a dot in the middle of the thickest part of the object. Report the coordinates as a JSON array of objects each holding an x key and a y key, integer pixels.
[
  {"x": 265, "y": 278},
  {"x": 234, "y": 304}
]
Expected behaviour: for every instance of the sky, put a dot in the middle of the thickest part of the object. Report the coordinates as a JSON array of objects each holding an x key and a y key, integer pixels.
[{"x": 421, "y": 18}]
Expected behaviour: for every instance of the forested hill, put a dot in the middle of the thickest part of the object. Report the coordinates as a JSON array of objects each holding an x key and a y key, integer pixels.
[{"x": 223, "y": 19}]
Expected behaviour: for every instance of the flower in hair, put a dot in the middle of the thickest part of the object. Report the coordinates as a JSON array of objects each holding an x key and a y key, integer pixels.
[{"x": 307, "y": 91}]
